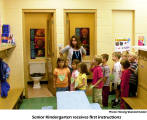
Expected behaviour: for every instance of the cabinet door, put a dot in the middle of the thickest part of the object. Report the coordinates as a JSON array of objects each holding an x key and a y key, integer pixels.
[{"x": 142, "y": 69}]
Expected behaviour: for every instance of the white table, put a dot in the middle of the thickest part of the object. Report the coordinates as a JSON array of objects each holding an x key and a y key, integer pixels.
[{"x": 72, "y": 100}]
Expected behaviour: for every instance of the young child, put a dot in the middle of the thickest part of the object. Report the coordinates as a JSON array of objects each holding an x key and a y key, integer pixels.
[
  {"x": 67, "y": 62},
  {"x": 133, "y": 82},
  {"x": 61, "y": 75},
  {"x": 81, "y": 81},
  {"x": 97, "y": 82},
  {"x": 75, "y": 74},
  {"x": 116, "y": 71},
  {"x": 124, "y": 81},
  {"x": 67, "y": 65},
  {"x": 125, "y": 55},
  {"x": 106, "y": 73}
]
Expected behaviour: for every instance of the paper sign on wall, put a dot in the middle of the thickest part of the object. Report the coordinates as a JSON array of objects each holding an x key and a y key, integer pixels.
[
  {"x": 122, "y": 44},
  {"x": 141, "y": 40}
]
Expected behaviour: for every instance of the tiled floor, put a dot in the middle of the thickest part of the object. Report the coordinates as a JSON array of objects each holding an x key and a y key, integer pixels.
[
  {"x": 38, "y": 103},
  {"x": 43, "y": 97},
  {"x": 42, "y": 92}
]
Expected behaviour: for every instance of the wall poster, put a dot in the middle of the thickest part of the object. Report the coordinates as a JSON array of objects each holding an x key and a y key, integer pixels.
[
  {"x": 141, "y": 40},
  {"x": 83, "y": 34},
  {"x": 37, "y": 43}
]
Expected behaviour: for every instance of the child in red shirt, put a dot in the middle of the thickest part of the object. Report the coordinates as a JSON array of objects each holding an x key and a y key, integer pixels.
[
  {"x": 124, "y": 81},
  {"x": 97, "y": 82}
]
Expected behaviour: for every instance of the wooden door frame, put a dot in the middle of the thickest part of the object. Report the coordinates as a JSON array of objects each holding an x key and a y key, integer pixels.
[
  {"x": 24, "y": 11},
  {"x": 94, "y": 11}
]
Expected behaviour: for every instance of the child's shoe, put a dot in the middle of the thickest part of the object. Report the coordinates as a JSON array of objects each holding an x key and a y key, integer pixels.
[{"x": 114, "y": 104}]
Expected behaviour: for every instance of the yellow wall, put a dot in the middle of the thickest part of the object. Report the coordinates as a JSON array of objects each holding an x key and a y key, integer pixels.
[
  {"x": 1, "y": 15},
  {"x": 123, "y": 24},
  {"x": 105, "y": 43},
  {"x": 2, "y": 11}
]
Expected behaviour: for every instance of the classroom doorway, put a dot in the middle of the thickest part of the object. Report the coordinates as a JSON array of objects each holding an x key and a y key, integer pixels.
[
  {"x": 39, "y": 44},
  {"x": 82, "y": 23}
]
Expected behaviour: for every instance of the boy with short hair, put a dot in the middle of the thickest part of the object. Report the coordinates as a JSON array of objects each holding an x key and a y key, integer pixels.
[
  {"x": 116, "y": 71},
  {"x": 97, "y": 82},
  {"x": 106, "y": 73},
  {"x": 133, "y": 82}
]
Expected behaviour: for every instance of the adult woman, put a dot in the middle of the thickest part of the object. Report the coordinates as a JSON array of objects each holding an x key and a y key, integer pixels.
[{"x": 75, "y": 50}]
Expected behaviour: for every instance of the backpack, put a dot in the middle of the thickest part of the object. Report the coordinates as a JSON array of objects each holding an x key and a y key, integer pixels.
[{"x": 4, "y": 74}]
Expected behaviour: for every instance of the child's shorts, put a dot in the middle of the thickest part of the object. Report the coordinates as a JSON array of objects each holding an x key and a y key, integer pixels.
[
  {"x": 97, "y": 95},
  {"x": 116, "y": 86},
  {"x": 62, "y": 89}
]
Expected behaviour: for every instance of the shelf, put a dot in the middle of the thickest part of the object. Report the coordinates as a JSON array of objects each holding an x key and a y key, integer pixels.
[
  {"x": 143, "y": 48},
  {"x": 6, "y": 47}
]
